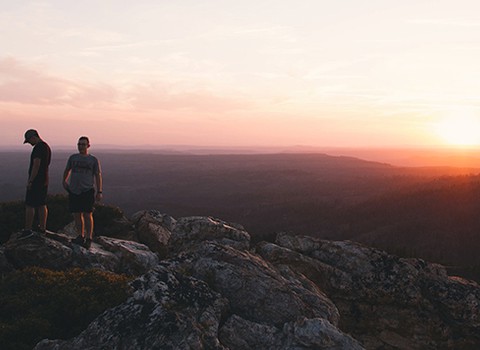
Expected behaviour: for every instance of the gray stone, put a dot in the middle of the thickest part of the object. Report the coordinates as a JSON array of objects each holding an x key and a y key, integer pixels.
[
  {"x": 385, "y": 301},
  {"x": 189, "y": 231},
  {"x": 154, "y": 230}
]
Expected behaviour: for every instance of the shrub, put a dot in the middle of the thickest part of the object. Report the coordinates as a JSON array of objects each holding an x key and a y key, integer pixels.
[
  {"x": 104, "y": 216},
  {"x": 12, "y": 219},
  {"x": 37, "y": 303}
]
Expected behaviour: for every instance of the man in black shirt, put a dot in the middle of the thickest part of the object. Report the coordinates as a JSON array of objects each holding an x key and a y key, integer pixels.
[{"x": 37, "y": 184}]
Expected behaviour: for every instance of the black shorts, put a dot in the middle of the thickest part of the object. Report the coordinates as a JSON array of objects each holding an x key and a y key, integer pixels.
[
  {"x": 81, "y": 203},
  {"x": 36, "y": 196}
]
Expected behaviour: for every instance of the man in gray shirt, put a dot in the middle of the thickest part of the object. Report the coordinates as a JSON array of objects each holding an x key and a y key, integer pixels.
[{"x": 82, "y": 174}]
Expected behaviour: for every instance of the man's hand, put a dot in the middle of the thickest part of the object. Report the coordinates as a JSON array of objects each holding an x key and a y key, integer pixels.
[{"x": 99, "y": 196}]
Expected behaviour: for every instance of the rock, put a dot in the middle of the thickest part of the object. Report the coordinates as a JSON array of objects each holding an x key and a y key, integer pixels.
[
  {"x": 167, "y": 311},
  {"x": 303, "y": 333},
  {"x": 96, "y": 258},
  {"x": 135, "y": 258},
  {"x": 385, "y": 301},
  {"x": 255, "y": 289},
  {"x": 37, "y": 250},
  {"x": 154, "y": 230},
  {"x": 69, "y": 230},
  {"x": 317, "y": 333},
  {"x": 57, "y": 252},
  {"x": 192, "y": 230}
]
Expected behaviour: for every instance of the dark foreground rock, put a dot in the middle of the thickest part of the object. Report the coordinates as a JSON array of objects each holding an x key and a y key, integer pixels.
[{"x": 201, "y": 285}]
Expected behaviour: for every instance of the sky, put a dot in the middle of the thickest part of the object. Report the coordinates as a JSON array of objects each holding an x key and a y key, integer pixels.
[{"x": 346, "y": 73}]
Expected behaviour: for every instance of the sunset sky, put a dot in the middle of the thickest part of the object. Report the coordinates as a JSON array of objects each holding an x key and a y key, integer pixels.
[{"x": 361, "y": 73}]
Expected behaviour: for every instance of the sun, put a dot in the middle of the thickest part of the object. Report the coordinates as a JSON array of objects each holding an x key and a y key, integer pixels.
[{"x": 460, "y": 128}]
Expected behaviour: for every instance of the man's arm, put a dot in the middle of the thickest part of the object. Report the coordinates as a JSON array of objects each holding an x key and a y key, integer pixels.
[
  {"x": 99, "y": 185},
  {"x": 66, "y": 175},
  {"x": 34, "y": 173}
]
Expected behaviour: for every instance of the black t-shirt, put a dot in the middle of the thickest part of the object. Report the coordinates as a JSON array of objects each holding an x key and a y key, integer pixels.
[{"x": 40, "y": 150}]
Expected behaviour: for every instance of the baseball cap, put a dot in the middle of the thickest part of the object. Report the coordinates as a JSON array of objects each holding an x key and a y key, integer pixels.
[{"x": 30, "y": 133}]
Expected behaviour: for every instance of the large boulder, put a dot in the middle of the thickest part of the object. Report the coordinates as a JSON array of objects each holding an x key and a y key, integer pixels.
[
  {"x": 189, "y": 231},
  {"x": 135, "y": 258},
  {"x": 272, "y": 308},
  {"x": 154, "y": 230},
  {"x": 58, "y": 252},
  {"x": 37, "y": 250},
  {"x": 256, "y": 290},
  {"x": 385, "y": 301}
]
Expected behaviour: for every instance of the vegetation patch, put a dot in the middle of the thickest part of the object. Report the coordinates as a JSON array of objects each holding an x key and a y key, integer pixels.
[{"x": 37, "y": 303}]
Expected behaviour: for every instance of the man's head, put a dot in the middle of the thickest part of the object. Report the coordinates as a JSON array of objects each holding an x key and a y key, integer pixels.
[
  {"x": 31, "y": 136},
  {"x": 83, "y": 144}
]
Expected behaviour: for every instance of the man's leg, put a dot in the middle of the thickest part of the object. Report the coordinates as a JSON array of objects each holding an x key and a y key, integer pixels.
[
  {"x": 29, "y": 215},
  {"x": 79, "y": 224},
  {"x": 42, "y": 217},
  {"x": 88, "y": 225}
]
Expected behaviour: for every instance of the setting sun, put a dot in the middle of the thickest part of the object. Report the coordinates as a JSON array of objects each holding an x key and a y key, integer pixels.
[{"x": 460, "y": 129}]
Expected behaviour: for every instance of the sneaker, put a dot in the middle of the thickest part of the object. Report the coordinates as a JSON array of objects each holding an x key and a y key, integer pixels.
[
  {"x": 26, "y": 233},
  {"x": 87, "y": 243},
  {"x": 79, "y": 240}
]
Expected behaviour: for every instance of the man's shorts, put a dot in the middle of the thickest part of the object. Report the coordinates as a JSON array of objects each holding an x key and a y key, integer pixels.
[
  {"x": 81, "y": 203},
  {"x": 36, "y": 196}
]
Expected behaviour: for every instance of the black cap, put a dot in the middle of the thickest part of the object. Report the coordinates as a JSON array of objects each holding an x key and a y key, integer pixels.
[{"x": 30, "y": 133}]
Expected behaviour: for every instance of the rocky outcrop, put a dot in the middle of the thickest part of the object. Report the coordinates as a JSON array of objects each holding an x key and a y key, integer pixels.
[
  {"x": 58, "y": 252},
  {"x": 201, "y": 285},
  {"x": 385, "y": 301}
]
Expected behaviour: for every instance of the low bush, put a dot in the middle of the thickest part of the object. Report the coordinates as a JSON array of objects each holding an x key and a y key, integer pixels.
[{"x": 37, "y": 303}]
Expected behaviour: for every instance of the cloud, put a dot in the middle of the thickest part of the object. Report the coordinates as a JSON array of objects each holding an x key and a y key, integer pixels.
[
  {"x": 30, "y": 85},
  {"x": 446, "y": 22},
  {"x": 159, "y": 97}
]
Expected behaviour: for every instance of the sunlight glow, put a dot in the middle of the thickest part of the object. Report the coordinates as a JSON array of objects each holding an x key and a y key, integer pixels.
[
  {"x": 251, "y": 73},
  {"x": 460, "y": 128}
]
